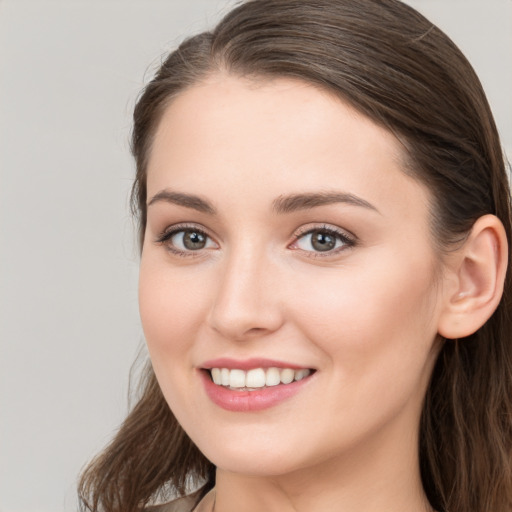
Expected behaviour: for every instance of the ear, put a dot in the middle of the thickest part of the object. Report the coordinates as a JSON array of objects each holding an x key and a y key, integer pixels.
[{"x": 473, "y": 283}]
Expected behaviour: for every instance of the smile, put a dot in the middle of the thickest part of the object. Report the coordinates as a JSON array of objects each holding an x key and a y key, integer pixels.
[
  {"x": 253, "y": 385},
  {"x": 256, "y": 378}
]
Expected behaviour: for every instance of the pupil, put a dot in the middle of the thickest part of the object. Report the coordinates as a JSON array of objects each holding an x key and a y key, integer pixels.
[
  {"x": 323, "y": 241},
  {"x": 194, "y": 240}
]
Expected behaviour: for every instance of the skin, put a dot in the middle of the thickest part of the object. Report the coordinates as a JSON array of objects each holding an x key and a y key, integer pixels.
[{"x": 364, "y": 316}]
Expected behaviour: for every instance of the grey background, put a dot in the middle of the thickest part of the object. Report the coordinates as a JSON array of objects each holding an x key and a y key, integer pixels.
[{"x": 70, "y": 71}]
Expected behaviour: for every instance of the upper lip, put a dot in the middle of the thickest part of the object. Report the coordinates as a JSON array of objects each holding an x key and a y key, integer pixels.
[{"x": 249, "y": 364}]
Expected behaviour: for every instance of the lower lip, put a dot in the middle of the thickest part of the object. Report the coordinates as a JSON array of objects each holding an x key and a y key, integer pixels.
[{"x": 246, "y": 401}]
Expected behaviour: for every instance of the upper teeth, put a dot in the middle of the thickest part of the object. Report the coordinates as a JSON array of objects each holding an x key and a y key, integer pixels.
[{"x": 256, "y": 378}]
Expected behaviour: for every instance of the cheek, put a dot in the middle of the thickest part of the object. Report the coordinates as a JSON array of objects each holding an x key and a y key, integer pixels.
[
  {"x": 171, "y": 312},
  {"x": 377, "y": 330},
  {"x": 380, "y": 311},
  {"x": 170, "y": 306}
]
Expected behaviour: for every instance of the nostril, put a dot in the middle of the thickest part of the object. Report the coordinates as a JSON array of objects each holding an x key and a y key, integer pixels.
[
  {"x": 240, "y": 312},
  {"x": 256, "y": 330}
]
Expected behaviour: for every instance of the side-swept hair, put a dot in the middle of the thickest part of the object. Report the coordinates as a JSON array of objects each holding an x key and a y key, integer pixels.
[{"x": 395, "y": 67}]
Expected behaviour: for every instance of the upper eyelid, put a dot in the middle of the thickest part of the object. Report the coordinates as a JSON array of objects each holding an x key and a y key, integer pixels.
[
  {"x": 169, "y": 231},
  {"x": 176, "y": 228},
  {"x": 348, "y": 239},
  {"x": 307, "y": 229}
]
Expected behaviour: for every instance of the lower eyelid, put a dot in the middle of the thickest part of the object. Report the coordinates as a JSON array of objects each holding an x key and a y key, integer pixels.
[
  {"x": 347, "y": 242},
  {"x": 210, "y": 245}
]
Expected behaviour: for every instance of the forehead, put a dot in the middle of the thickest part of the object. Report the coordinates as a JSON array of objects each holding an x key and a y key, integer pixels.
[{"x": 274, "y": 137}]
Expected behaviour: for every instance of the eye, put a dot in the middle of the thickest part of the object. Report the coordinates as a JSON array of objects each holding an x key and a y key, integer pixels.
[
  {"x": 323, "y": 240},
  {"x": 182, "y": 240},
  {"x": 189, "y": 240}
]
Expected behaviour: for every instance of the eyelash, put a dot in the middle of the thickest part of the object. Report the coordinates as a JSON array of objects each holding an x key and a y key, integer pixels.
[
  {"x": 348, "y": 240},
  {"x": 167, "y": 234}
]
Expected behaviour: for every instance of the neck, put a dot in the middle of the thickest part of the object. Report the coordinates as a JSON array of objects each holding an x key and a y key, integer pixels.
[{"x": 375, "y": 477}]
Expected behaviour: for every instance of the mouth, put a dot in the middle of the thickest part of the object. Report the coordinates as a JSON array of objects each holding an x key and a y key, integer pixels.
[
  {"x": 256, "y": 379},
  {"x": 254, "y": 384}
]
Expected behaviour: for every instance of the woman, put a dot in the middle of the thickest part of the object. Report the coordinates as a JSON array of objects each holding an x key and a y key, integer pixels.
[{"x": 324, "y": 215}]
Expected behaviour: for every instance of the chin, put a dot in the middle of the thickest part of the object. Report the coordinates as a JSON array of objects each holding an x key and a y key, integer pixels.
[
  {"x": 259, "y": 465},
  {"x": 256, "y": 459}
]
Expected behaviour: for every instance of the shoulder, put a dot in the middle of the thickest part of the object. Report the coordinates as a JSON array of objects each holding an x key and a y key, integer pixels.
[{"x": 185, "y": 504}]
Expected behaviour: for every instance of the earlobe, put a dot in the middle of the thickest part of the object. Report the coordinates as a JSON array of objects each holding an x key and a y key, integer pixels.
[{"x": 477, "y": 273}]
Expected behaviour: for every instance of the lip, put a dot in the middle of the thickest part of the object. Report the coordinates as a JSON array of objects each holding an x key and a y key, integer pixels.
[
  {"x": 249, "y": 401},
  {"x": 248, "y": 364}
]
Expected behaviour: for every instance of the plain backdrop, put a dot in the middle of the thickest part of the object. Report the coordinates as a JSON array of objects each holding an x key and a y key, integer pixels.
[{"x": 70, "y": 71}]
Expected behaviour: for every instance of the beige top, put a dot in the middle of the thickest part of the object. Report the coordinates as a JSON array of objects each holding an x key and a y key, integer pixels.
[{"x": 185, "y": 504}]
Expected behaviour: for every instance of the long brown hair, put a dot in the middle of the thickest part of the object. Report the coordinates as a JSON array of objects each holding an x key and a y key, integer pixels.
[{"x": 395, "y": 67}]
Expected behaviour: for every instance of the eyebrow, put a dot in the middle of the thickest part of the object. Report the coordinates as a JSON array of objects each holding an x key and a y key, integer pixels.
[
  {"x": 295, "y": 202},
  {"x": 281, "y": 205},
  {"x": 186, "y": 200}
]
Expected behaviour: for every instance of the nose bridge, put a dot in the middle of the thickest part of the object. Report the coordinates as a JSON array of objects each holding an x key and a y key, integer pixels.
[{"x": 245, "y": 303}]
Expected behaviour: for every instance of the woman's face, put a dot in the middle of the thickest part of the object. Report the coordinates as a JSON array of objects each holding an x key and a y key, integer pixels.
[{"x": 285, "y": 242}]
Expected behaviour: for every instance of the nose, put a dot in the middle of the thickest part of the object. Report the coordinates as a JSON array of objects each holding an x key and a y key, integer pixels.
[{"x": 246, "y": 304}]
